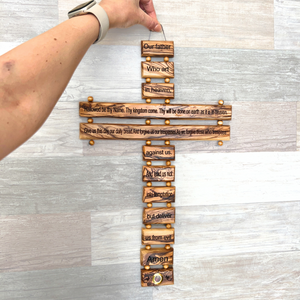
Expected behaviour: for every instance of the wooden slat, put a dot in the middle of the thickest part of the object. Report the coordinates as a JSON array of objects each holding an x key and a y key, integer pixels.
[
  {"x": 147, "y": 277},
  {"x": 158, "y": 194},
  {"x": 158, "y": 236},
  {"x": 157, "y": 48},
  {"x": 159, "y": 152},
  {"x": 158, "y": 173},
  {"x": 156, "y": 256},
  {"x": 158, "y": 90},
  {"x": 159, "y": 215},
  {"x": 155, "y": 111},
  {"x": 154, "y": 132},
  {"x": 45, "y": 241},
  {"x": 157, "y": 69}
]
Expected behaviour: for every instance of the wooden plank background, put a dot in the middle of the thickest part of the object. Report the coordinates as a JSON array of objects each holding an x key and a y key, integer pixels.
[{"x": 71, "y": 214}]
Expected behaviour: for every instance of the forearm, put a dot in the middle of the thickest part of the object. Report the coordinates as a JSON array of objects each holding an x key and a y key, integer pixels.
[{"x": 34, "y": 75}]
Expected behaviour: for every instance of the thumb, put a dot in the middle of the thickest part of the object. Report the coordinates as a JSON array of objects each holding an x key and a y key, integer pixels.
[{"x": 148, "y": 22}]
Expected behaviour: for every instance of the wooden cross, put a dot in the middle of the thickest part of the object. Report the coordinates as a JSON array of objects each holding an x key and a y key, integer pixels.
[{"x": 157, "y": 262}]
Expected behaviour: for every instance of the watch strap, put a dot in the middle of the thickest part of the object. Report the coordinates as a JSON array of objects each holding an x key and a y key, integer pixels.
[{"x": 102, "y": 17}]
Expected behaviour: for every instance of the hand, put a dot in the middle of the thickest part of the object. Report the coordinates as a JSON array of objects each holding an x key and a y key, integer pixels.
[{"x": 125, "y": 13}]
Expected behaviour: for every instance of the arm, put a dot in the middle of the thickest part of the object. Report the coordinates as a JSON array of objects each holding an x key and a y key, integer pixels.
[{"x": 34, "y": 75}]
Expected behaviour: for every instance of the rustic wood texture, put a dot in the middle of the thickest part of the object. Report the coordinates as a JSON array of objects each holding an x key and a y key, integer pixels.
[
  {"x": 159, "y": 152},
  {"x": 157, "y": 69},
  {"x": 155, "y": 111},
  {"x": 158, "y": 173},
  {"x": 154, "y": 132},
  {"x": 157, "y": 48},
  {"x": 287, "y": 19},
  {"x": 158, "y": 236},
  {"x": 158, "y": 90},
  {"x": 49, "y": 241},
  {"x": 159, "y": 215},
  {"x": 158, "y": 194},
  {"x": 156, "y": 256},
  {"x": 225, "y": 251},
  {"x": 147, "y": 277}
]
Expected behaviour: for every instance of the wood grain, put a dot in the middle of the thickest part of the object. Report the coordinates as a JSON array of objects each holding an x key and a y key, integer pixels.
[
  {"x": 153, "y": 132},
  {"x": 159, "y": 215},
  {"x": 158, "y": 173},
  {"x": 157, "y": 48},
  {"x": 36, "y": 242},
  {"x": 159, "y": 152},
  {"x": 158, "y": 90},
  {"x": 155, "y": 111},
  {"x": 298, "y": 126},
  {"x": 147, "y": 276},
  {"x": 158, "y": 194},
  {"x": 157, "y": 69},
  {"x": 158, "y": 236},
  {"x": 156, "y": 256},
  {"x": 286, "y": 24}
]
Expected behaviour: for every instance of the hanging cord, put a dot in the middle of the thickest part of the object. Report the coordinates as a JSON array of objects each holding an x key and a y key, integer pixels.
[{"x": 162, "y": 32}]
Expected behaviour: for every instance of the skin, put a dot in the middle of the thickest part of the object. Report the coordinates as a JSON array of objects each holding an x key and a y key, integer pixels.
[{"x": 34, "y": 75}]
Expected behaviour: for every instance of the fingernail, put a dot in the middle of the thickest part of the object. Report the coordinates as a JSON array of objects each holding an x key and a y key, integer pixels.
[{"x": 156, "y": 27}]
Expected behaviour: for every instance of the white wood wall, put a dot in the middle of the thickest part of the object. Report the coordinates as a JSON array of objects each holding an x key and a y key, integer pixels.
[{"x": 71, "y": 214}]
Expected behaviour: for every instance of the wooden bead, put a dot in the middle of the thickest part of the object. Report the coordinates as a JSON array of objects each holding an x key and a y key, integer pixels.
[
  {"x": 149, "y": 163},
  {"x": 90, "y": 99},
  {"x": 168, "y": 183},
  {"x": 148, "y": 80},
  {"x": 166, "y": 58},
  {"x": 148, "y": 226},
  {"x": 221, "y": 102},
  {"x": 168, "y": 163},
  {"x": 92, "y": 143},
  {"x": 168, "y": 226},
  {"x": 167, "y": 122},
  {"x": 166, "y": 266},
  {"x": 169, "y": 204},
  {"x": 220, "y": 143},
  {"x": 167, "y": 142},
  {"x": 220, "y": 123},
  {"x": 148, "y": 247},
  {"x": 90, "y": 120},
  {"x": 148, "y": 122},
  {"x": 167, "y": 101},
  {"x": 148, "y": 100},
  {"x": 147, "y": 267},
  {"x": 148, "y": 143},
  {"x": 167, "y": 80},
  {"x": 148, "y": 58},
  {"x": 167, "y": 247},
  {"x": 149, "y": 183},
  {"x": 149, "y": 204}
]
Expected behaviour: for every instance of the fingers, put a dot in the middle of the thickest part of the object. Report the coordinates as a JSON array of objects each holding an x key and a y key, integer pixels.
[
  {"x": 148, "y": 22},
  {"x": 148, "y": 7}
]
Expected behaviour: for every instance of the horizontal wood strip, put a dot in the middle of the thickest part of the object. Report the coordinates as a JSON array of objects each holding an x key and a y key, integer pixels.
[
  {"x": 25, "y": 245},
  {"x": 159, "y": 215},
  {"x": 158, "y": 194},
  {"x": 147, "y": 277},
  {"x": 157, "y": 48},
  {"x": 159, "y": 152},
  {"x": 155, "y": 111},
  {"x": 156, "y": 256},
  {"x": 157, "y": 69},
  {"x": 158, "y": 173},
  {"x": 158, "y": 236},
  {"x": 153, "y": 132},
  {"x": 158, "y": 90}
]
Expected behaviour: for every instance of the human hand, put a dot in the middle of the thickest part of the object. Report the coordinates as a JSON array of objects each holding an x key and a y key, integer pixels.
[{"x": 125, "y": 13}]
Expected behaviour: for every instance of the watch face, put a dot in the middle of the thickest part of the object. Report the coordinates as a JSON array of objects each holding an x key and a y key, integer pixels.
[{"x": 80, "y": 6}]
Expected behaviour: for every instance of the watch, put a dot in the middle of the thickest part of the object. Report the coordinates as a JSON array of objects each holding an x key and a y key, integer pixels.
[{"x": 91, "y": 7}]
